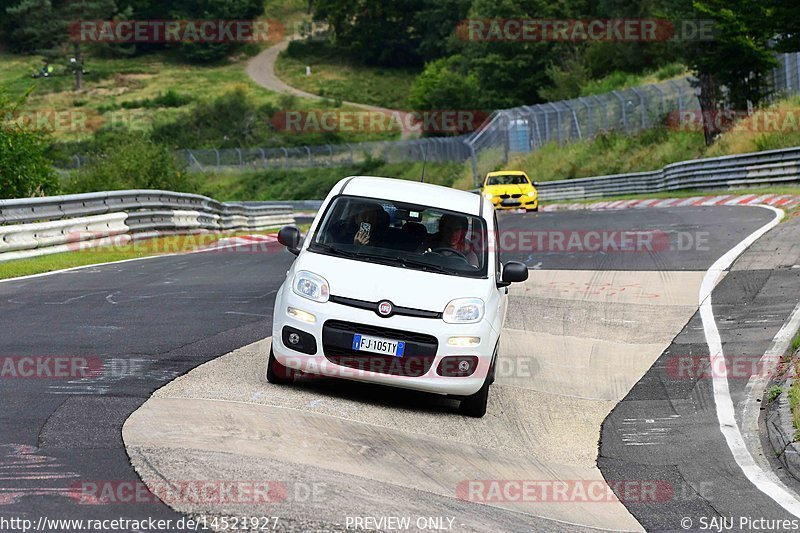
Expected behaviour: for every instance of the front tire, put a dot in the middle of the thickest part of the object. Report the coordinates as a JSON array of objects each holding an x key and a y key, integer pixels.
[
  {"x": 533, "y": 210},
  {"x": 277, "y": 374},
  {"x": 475, "y": 406}
]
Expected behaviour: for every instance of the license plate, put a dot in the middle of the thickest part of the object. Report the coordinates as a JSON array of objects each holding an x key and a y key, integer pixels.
[
  {"x": 365, "y": 343},
  {"x": 511, "y": 201}
]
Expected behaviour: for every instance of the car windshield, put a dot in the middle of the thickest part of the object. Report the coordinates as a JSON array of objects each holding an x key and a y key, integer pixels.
[
  {"x": 507, "y": 179},
  {"x": 403, "y": 235}
]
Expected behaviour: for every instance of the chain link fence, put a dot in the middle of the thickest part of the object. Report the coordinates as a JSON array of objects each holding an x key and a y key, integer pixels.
[{"x": 505, "y": 135}]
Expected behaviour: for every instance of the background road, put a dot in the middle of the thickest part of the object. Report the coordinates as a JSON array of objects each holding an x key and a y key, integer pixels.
[{"x": 153, "y": 320}]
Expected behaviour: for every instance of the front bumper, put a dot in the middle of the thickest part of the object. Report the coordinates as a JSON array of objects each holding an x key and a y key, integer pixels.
[
  {"x": 422, "y": 377},
  {"x": 523, "y": 202}
]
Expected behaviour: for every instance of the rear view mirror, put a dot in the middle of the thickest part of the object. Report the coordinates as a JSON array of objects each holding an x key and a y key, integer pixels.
[
  {"x": 289, "y": 236},
  {"x": 513, "y": 272}
]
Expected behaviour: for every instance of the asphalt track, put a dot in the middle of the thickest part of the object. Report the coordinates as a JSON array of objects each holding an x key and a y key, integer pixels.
[{"x": 153, "y": 320}]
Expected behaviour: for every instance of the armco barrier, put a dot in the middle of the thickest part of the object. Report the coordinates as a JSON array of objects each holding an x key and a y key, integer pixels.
[
  {"x": 773, "y": 167},
  {"x": 37, "y": 226}
]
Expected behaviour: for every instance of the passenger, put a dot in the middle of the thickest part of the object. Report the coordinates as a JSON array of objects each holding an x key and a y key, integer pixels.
[
  {"x": 373, "y": 234},
  {"x": 452, "y": 235}
]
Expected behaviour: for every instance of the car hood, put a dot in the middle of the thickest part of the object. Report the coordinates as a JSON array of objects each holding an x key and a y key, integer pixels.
[
  {"x": 373, "y": 282},
  {"x": 507, "y": 189}
]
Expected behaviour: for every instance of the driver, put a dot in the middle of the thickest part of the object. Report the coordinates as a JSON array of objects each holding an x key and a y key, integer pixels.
[{"x": 452, "y": 235}]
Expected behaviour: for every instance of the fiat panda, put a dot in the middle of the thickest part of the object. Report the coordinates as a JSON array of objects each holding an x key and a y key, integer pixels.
[{"x": 398, "y": 283}]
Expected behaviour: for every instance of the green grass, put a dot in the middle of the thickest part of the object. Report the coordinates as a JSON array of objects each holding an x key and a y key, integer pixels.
[
  {"x": 138, "y": 91},
  {"x": 110, "y": 254},
  {"x": 315, "y": 183},
  {"x": 337, "y": 78},
  {"x": 619, "y": 80}
]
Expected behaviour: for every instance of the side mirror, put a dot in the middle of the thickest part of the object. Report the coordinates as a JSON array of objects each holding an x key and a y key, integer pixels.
[
  {"x": 289, "y": 236},
  {"x": 513, "y": 272}
]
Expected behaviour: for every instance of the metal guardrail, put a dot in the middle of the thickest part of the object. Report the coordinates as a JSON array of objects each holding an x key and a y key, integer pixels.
[
  {"x": 37, "y": 226},
  {"x": 755, "y": 169}
]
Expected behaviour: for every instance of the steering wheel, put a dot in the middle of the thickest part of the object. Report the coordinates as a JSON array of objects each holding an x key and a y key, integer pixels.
[{"x": 447, "y": 251}]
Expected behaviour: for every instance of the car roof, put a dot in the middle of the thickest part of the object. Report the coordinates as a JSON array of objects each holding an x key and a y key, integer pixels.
[
  {"x": 412, "y": 192},
  {"x": 506, "y": 173}
]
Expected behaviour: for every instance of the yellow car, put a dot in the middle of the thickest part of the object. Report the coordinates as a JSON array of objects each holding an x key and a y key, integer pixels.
[{"x": 510, "y": 189}]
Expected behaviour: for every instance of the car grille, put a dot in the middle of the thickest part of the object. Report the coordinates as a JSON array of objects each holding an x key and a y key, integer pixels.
[
  {"x": 337, "y": 342},
  {"x": 506, "y": 196},
  {"x": 373, "y": 306}
]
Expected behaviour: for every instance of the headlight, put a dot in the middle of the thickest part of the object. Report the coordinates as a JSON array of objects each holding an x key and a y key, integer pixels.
[
  {"x": 532, "y": 193},
  {"x": 488, "y": 195},
  {"x": 464, "y": 311},
  {"x": 309, "y": 285}
]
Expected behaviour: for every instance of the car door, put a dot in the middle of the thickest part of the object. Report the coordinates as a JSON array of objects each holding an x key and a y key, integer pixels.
[{"x": 502, "y": 292}]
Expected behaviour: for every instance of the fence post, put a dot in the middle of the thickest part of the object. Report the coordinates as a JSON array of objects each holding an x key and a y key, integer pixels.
[
  {"x": 642, "y": 105},
  {"x": 217, "y": 152},
  {"x": 308, "y": 151},
  {"x": 263, "y": 157},
  {"x": 622, "y": 109},
  {"x": 680, "y": 96},
  {"x": 797, "y": 64},
  {"x": 474, "y": 158},
  {"x": 241, "y": 160},
  {"x": 574, "y": 118},
  {"x": 588, "y": 115},
  {"x": 350, "y": 147},
  {"x": 505, "y": 138},
  {"x": 285, "y": 156}
]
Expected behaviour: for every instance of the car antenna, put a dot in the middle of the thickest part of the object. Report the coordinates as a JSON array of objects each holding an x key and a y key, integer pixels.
[{"x": 424, "y": 162}]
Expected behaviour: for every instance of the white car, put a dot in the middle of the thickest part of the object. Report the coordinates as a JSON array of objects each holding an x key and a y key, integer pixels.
[{"x": 397, "y": 283}]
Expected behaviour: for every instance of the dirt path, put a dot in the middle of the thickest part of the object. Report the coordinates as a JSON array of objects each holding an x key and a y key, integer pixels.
[{"x": 261, "y": 70}]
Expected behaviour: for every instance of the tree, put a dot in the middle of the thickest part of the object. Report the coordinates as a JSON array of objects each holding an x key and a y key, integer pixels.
[
  {"x": 33, "y": 26},
  {"x": 731, "y": 67},
  {"x": 443, "y": 85}
]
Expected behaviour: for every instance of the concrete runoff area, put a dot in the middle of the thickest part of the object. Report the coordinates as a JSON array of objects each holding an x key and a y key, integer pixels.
[{"x": 566, "y": 359}]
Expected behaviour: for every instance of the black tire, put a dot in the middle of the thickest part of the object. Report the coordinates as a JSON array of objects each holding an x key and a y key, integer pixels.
[
  {"x": 277, "y": 374},
  {"x": 475, "y": 405},
  {"x": 533, "y": 210}
]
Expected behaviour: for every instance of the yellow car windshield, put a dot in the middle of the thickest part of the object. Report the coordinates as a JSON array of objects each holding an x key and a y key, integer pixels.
[{"x": 507, "y": 179}]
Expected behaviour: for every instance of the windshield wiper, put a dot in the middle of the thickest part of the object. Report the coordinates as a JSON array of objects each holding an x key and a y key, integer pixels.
[
  {"x": 332, "y": 249},
  {"x": 406, "y": 261}
]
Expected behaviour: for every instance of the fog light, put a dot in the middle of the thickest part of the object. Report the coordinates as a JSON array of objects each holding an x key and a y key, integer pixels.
[
  {"x": 299, "y": 314},
  {"x": 464, "y": 341},
  {"x": 299, "y": 341},
  {"x": 457, "y": 366}
]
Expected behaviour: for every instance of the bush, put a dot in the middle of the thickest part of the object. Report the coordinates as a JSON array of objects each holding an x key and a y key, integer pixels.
[
  {"x": 25, "y": 169},
  {"x": 169, "y": 99},
  {"x": 229, "y": 121},
  {"x": 129, "y": 160}
]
